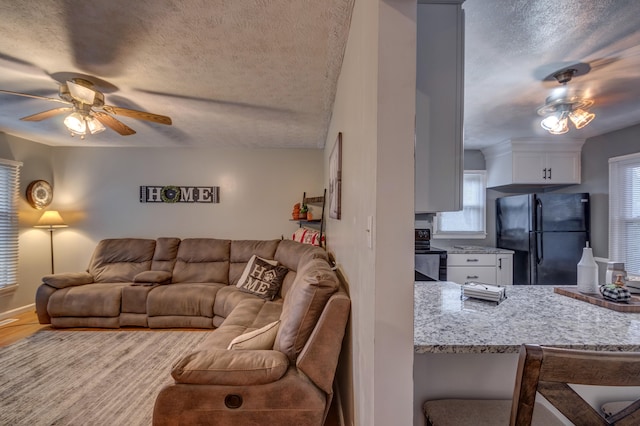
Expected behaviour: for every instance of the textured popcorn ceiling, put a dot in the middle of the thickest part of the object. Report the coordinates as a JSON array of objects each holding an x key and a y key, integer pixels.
[
  {"x": 262, "y": 73},
  {"x": 243, "y": 73},
  {"x": 512, "y": 45}
]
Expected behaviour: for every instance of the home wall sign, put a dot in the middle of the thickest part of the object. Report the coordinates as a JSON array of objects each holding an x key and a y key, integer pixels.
[{"x": 179, "y": 194}]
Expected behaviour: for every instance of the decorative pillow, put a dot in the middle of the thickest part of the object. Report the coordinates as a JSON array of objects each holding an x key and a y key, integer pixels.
[
  {"x": 261, "y": 338},
  {"x": 307, "y": 236},
  {"x": 262, "y": 277}
]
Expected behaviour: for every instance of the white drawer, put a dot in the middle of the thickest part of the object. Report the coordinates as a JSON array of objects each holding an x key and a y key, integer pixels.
[
  {"x": 471, "y": 259},
  {"x": 483, "y": 274}
]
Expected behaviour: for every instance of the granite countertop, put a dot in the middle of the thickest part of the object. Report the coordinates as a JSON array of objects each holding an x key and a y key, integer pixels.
[
  {"x": 467, "y": 249},
  {"x": 443, "y": 323}
]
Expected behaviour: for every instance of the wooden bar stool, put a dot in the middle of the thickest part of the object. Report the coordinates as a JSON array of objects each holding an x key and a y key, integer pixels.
[{"x": 548, "y": 371}]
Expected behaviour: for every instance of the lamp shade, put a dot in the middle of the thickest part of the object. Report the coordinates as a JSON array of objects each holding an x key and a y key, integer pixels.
[{"x": 51, "y": 219}]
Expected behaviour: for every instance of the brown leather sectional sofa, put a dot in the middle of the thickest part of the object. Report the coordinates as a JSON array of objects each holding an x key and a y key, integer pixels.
[{"x": 168, "y": 283}]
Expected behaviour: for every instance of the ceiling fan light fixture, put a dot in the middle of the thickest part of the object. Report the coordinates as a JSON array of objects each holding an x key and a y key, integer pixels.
[
  {"x": 76, "y": 124},
  {"x": 94, "y": 125},
  {"x": 556, "y": 124},
  {"x": 581, "y": 118}
]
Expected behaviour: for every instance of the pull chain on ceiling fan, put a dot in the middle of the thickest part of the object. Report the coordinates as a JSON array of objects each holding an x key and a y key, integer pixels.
[
  {"x": 565, "y": 105},
  {"x": 88, "y": 112}
]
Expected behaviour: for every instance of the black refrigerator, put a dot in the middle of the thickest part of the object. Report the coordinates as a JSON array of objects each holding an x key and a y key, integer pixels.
[{"x": 547, "y": 232}]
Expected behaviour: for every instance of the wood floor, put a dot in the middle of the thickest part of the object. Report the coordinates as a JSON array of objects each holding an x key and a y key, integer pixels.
[{"x": 28, "y": 324}]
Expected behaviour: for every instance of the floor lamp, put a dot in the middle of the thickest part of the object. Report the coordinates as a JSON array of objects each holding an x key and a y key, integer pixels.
[{"x": 51, "y": 220}]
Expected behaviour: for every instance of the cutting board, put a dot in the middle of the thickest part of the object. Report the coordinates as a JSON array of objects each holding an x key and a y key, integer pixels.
[{"x": 596, "y": 299}]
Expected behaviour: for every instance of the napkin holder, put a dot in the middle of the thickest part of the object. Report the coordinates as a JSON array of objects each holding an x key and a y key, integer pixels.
[{"x": 482, "y": 291}]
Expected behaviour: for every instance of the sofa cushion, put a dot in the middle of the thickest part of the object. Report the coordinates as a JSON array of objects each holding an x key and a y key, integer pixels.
[
  {"x": 134, "y": 298},
  {"x": 165, "y": 255},
  {"x": 231, "y": 368},
  {"x": 67, "y": 279},
  {"x": 262, "y": 277},
  {"x": 202, "y": 260},
  {"x": 315, "y": 282},
  {"x": 289, "y": 253},
  {"x": 187, "y": 299},
  {"x": 261, "y": 338},
  {"x": 241, "y": 252},
  {"x": 119, "y": 260},
  {"x": 90, "y": 300}
]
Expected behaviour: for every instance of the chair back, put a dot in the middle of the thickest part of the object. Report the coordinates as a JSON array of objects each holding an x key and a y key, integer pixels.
[{"x": 549, "y": 371}]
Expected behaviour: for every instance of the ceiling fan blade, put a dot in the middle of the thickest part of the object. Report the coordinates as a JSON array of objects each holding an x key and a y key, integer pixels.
[
  {"x": 47, "y": 114},
  {"x": 114, "y": 124},
  {"x": 141, "y": 115},
  {"x": 81, "y": 93},
  {"x": 26, "y": 95}
]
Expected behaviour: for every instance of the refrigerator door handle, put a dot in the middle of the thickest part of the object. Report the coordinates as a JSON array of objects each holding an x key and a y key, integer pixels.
[
  {"x": 538, "y": 215},
  {"x": 539, "y": 249}
]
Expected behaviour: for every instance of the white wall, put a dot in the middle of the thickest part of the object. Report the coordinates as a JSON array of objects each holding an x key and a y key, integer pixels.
[
  {"x": 375, "y": 110},
  {"x": 96, "y": 191},
  {"x": 34, "y": 260}
]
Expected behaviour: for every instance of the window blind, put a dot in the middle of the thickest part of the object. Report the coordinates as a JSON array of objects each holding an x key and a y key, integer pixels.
[
  {"x": 624, "y": 211},
  {"x": 9, "y": 187}
]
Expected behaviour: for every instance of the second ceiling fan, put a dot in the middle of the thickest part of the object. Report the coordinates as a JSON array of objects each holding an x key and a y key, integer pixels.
[{"x": 87, "y": 111}]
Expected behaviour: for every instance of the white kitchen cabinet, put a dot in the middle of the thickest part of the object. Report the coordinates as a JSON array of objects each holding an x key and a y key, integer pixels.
[
  {"x": 439, "y": 107},
  {"x": 484, "y": 268},
  {"x": 533, "y": 162},
  {"x": 504, "y": 269}
]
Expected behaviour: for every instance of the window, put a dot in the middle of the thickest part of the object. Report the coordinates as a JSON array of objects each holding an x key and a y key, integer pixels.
[
  {"x": 624, "y": 211},
  {"x": 469, "y": 222},
  {"x": 9, "y": 186}
]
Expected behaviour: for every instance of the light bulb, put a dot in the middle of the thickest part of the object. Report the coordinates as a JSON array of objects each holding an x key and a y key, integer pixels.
[
  {"x": 561, "y": 127},
  {"x": 581, "y": 118},
  {"x": 550, "y": 122},
  {"x": 76, "y": 124}
]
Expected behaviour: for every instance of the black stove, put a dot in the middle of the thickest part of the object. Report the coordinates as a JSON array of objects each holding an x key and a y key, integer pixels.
[{"x": 430, "y": 263}]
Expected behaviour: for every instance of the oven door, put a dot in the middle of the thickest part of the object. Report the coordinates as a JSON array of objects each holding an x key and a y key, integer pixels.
[{"x": 428, "y": 266}]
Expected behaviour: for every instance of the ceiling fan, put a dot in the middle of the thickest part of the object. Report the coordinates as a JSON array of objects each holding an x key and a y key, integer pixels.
[
  {"x": 564, "y": 104},
  {"x": 87, "y": 111}
]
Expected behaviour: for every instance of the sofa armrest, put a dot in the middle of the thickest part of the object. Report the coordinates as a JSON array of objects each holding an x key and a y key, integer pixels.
[
  {"x": 67, "y": 279},
  {"x": 231, "y": 367},
  {"x": 153, "y": 277}
]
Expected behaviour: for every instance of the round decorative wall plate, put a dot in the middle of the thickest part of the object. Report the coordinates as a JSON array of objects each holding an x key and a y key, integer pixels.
[{"x": 39, "y": 194}]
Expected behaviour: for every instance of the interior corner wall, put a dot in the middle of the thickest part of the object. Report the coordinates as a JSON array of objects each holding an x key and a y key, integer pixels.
[
  {"x": 96, "y": 190},
  {"x": 596, "y": 152},
  {"x": 33, "y": 245},
  {"x": 375, "y": 111}
]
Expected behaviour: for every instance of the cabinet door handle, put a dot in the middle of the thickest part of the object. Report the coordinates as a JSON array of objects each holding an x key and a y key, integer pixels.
[
  {"x": 549, "y": 173},
  {"x": 545, "y": 173},
  {"x": 499, "y": 263},
  {"x": 472, "y": 260},
  {"x": 472, "y": 277}
]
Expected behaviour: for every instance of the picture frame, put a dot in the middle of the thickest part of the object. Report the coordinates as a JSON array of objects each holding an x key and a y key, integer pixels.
[{"x": 335, "y": 179}]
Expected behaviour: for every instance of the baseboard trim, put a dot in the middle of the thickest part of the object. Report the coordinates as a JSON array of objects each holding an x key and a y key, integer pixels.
[{"x": 17, "y": 311}]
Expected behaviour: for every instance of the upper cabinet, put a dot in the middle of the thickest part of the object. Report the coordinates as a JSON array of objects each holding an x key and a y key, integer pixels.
[
  {"x": 439, "y": 107},
  {"x": 533, "y": 162}
]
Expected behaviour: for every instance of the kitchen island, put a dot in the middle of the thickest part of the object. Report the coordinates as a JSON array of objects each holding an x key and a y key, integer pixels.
[
  {"x": 468, "y": 348},
  {"x": 443, "y": 323}
]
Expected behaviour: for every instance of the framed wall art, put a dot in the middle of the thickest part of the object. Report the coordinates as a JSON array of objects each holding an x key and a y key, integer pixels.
[{"x": 335, "y": 179}]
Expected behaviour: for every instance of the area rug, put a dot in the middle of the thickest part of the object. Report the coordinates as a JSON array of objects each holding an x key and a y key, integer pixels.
[{"x": 59, "y": 377}]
